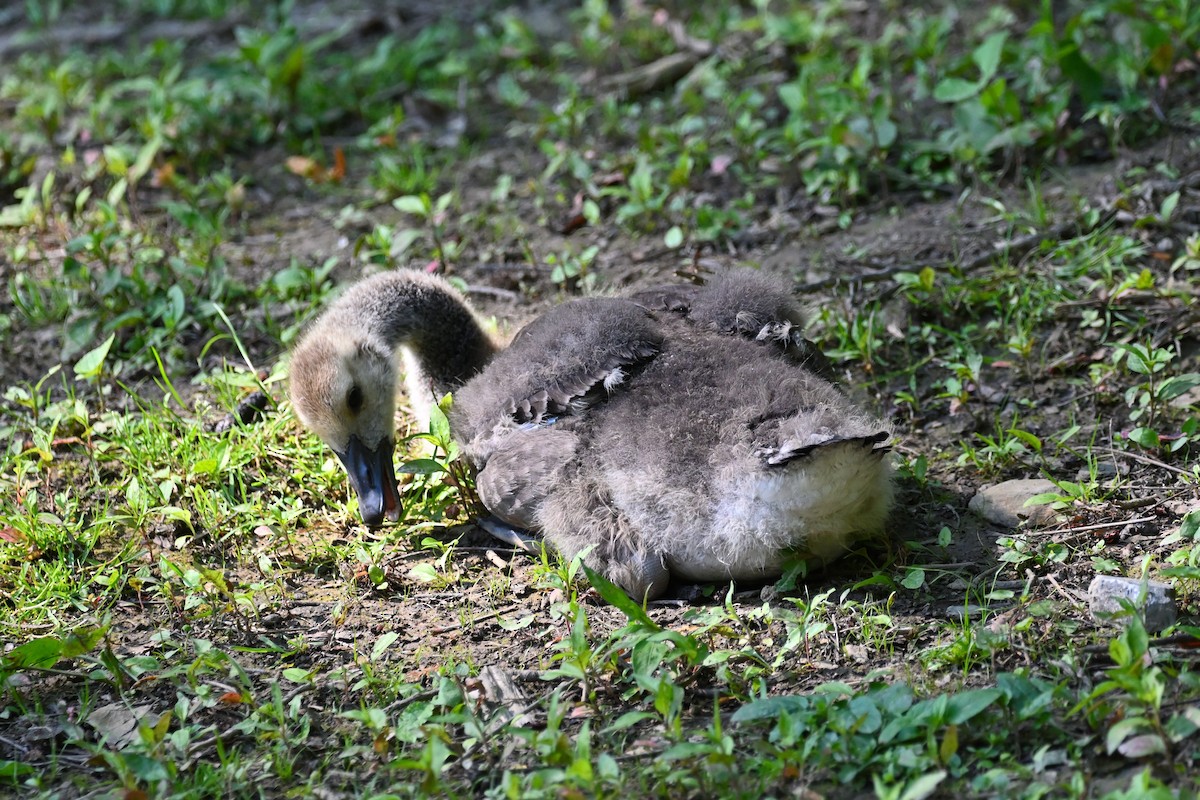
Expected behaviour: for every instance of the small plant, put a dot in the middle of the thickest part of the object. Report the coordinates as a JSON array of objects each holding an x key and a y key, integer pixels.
[
  {"x": 571, "y": 271},
  {"x": 1147, "y": 400},
  {"x": 434, "y": 215}
]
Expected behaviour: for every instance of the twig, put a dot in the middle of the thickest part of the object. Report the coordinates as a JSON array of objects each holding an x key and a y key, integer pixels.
[
  {"x": 651, "y": 77},
  {"x": 403, "y": 702},
  {"x": 1101, "y": 525},
  {"x": 1059, "y": 588},
  {"x": 475, "y": 620},
  {"x": 14, "y": 744},
  {"x": 1175, "y": 125},
  {"x": 502, "y": 294},
  {"x": 1154, "y": 462}
]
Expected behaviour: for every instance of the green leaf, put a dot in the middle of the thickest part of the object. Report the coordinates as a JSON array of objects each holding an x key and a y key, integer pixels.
[
  {"x": 965, "y": 705},
  {"x": 1122, "y": 730},
  {"x": 516, "y": 625},
  {"x": 674, "y": 237},
  {"x": 413, "y": 204},
  {"x": 628, "y": 720},
  {"x": 914, "y": 578},
  {"x": 1167, "y": 209},
  {"x": 424, "y": 572},
  {"x": 1028, "y": 438},
  {"x": 40, "y": 652},
  {"x": 792, "y": 96},
  {"x": 1178, "y": 385},
  {"x": 298, "y": 675},
  {"x": 11, "y": 771},
  {"x": 90, "y": 364},
  {"x": 987, "y": 55},
  {"x": 383, "y": 643},
  {"x": 615, "y": 596},
  {"x": 81, "y": 640},
  {"x": 771, "y": 708},
  {"x": 955, "y": 90},
  {"x": 147, "y": 769},
  {"x": 145, "y": 158},
  {"x": 1146, "y": 437},
  {"x": 1044, "y": 498},
  {"x": 1078, "y": 70},
  {"x": 422, "y": 466},
  {"x": 439, "y": 426},
  {"x": 923, "y": 786}
]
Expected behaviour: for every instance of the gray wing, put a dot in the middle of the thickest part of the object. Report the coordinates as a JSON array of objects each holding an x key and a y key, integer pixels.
[{"x": 744, "y": 303}]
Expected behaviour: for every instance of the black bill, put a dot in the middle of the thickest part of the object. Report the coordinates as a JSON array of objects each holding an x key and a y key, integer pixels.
[{"x": 374, "y": 480}]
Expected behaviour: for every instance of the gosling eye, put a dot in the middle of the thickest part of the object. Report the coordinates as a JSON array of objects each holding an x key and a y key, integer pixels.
[{"x": 354, "y": 399}]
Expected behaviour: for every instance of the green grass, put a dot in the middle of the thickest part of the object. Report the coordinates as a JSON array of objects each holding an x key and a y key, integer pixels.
[{"x": 190, "y": 609}]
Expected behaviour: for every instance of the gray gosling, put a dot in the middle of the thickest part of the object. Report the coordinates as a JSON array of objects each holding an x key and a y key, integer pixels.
[{"x": 682, "y": 431}]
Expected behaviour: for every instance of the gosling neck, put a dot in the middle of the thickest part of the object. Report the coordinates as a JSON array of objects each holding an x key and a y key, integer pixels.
[{"x": 425, "y": 319}]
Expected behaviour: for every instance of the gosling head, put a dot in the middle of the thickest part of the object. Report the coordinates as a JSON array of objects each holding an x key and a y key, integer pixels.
[{"x": 344, "y": 390}]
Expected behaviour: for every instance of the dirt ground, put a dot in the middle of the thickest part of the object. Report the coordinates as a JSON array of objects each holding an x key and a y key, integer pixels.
[{"x": 287, "y": 217}]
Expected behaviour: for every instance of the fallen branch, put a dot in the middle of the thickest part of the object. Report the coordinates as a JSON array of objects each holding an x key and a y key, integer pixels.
[{"x": 651, "y": 77}]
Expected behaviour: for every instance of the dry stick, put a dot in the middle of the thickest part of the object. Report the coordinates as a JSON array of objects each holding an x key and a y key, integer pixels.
[
  {"x": 1154, "y": 462},
  {"x": 1102, "y": 525},
  {"x": 475, "y": 620}
]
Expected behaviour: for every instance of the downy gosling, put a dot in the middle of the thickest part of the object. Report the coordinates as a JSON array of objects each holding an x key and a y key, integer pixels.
[{"x": 683, "y": 431}]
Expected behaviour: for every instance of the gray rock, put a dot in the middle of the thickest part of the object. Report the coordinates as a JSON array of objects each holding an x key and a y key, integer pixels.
[
  {"x": 1004, "y": 503},
  {"x": 1157, "y": 608},
  {"x": 960, "y": 613},
  {"x": 1188, "y": 399}
]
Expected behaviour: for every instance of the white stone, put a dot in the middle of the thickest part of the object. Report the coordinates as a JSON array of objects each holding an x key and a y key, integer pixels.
[
  {"x": 1157, "y": 607},
  {"x": 1004, "y": 503}
]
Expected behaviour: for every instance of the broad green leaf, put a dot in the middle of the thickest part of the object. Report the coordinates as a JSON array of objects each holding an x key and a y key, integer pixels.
[
  {"x": 674, "y": 237},
  {"x": 40, "y": 652},
  {"x": 11, "y": 771},
  {"x": 1122, "y": 730},
  {"x": 1043, "y": 499},
  {"x": 914, "y": 578},
  {"x": 81, "y": 640},
  {"x": 987, "y": 55},
  {"x": 439, "y": 425},
  {"x": 422, "y": 466},
  {"x": 1146, "y": 437},
  {"x": 413, "y": 204},
  {"x": 771, "y": 708},
  {"x": 628, "y": 720},
  {"x": 1028, "y": 438},
  {"x": 424, "y": 572},
  {"x": 515, "y": 625},
  {"x": 955, "y": 90},
  {"x": 963, "y": 706},
  {"x": 90, "y": 364},
  {"x": 792, "y": 96},
  {"x": 1178, "y": 385},
  {"x": 1167, "y": 209}
]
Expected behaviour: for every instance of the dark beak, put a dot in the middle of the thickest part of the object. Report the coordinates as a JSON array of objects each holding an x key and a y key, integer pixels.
[{"x": 374, "y": 480}]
